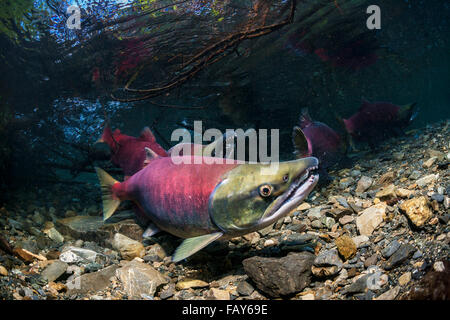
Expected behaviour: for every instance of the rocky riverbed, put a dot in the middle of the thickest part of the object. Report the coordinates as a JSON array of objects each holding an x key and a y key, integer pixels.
[{"x": 379, "y": 230}]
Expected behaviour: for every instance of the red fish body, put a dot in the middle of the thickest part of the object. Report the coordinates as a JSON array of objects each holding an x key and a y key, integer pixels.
[
  {"x": 374, "y": 120},
  {"x": 128, "y": 152},
  {"x": 322, "y": 141},
  {"x": 177, "y": 195}
]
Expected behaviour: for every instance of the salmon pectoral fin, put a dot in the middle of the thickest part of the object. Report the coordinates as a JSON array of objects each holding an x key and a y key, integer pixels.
[
  {"x": 110, "y": 203},
  {"x": 192, "y": 245}
]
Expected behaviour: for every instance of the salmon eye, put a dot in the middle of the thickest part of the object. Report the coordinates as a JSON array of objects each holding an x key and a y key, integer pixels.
[
  {"x": 286, "y": 178},
  {"x": 265, "y": 190}
]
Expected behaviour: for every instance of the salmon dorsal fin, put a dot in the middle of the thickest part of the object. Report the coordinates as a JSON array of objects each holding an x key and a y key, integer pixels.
[
  {"x": 147, "y": 135},
  {"x": 149, "y": 155},
  {"x": 364, "y": 104},
  {"x": 305, "y": 118}
]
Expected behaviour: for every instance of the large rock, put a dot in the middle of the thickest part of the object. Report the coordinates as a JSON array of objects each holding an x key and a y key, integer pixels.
[
  {"x": 91, "y": 282},
  {"x": 280, "y": 276},
  {"x": 417, "y": 210},
  {"x": 370, "y": 219},
  {"x": 140, "y": 279},
  {"x": 54, "y": 270},
  {"x": 424, "y": 181},
  {"x": 387, "y": 193},
  {"x": 128, "y": 248}
]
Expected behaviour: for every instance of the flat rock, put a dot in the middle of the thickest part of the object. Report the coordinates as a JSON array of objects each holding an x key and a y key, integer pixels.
[
  {"x": 429, "y": 179},
  {"x": 128, "y": 248},
  {"x": 370, "y": 219},
  {"x": 245, "y": 289},
  {"x": 91, "y": 282},
  {"x": 360, "y": 240},
  {"x": 217, "y": 294},
  {"x": 72, "y": 254},
  {"x": 280, "y": 276},
  {"x": 386, "y": 193},
  {"x": 390, "y": 249},
  {"x": 402, "y": 254},
  {"x": 417, "y": 210},
  {"x": 186, "y": 284},
  {"x": 390, "y": 294},
  {"x": 139, "y": 278},
  {"x": 54, "y": 270}
]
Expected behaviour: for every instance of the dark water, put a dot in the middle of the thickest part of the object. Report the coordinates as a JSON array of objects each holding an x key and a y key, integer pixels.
[{"x": 57, "y": 84}]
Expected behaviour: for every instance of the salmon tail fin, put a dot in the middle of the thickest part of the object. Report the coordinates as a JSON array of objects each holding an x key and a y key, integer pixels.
[
  {"x": 110, "y": 202},
  {"x": 408, "y": 112}
]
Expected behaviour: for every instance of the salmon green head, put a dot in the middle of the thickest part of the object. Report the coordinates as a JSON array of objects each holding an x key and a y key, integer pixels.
[{"x": 253, "y": 196}]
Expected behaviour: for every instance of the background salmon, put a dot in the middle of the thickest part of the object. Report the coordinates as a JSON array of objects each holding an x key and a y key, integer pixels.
[
  {"x": 314, "y": 138},
  {"x": 128, "y": 152},
  {"x": 378, "y": 120}
]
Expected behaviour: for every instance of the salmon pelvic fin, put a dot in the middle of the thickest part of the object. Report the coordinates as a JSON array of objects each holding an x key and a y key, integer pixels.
[
  {"x": 110, "y": 203},
  {"x": 192, "y": 245}
]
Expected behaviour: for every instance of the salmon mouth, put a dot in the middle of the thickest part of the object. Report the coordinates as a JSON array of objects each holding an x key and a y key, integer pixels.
[{"x": 298, "y": 191}]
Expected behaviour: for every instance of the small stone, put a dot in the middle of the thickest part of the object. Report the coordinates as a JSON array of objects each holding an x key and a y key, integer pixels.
[
  {"x": 386, "y": 193},
  {"x": 245, "y": 289},
  {"x": 346, "y": 247},
  {"x": 387, "y": 178},
  {"x": 404, "y": 193},
  {"x": 3, "y": 271},
  {"x": 370, "y": 219},
  {"x": 314, "y": 214},
  {"x": 398, "y": 156},
  {"x": 316, "y": 224},
  {"x": 404, "y": 279},
  {"x": 390, "y": 249},
  {"x": 328, "y": 222},
  {"x": 253, "y": 237},
  {"x": 439, "y": 266},
  {"x": 53, "y": 271},
  {"x": 346, "y": 220},
  {"x": 81, "y": 227},
  {"x": 418, "y": 254},
  {"x": 304, "y": 206},
  {"x": 402, "y": 254},
  {"x": 364, "y": 183},
  {"x": 28, "y": 256},
  {"x": 371, "y": 261},
  {"x": 309, "y": 296},
  {"x": 437, "y": 197},
  {"x": 390, "y": 294},
  {"x": 269, "y": 243},
  {"x": 128, "y": 248},
  {"x": 74, "y": 255},
  {"x": 217, "y": 294},
  {"x": 422, "y": 182},
  {"x": 191, "y": 284},
  {"x": 345, "y": 183},
  {"x": 417, "y": 210},
  {"x": 447, "y": 203},
  {"x": 427, "y": 164},
  {"x": 53, "y": 234},
  {"x": 414, "y": 175},
  {"x": 327, "y": 263},
  {"x": 360, "y": 240},
  {"x": 167, "y": 291}
]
